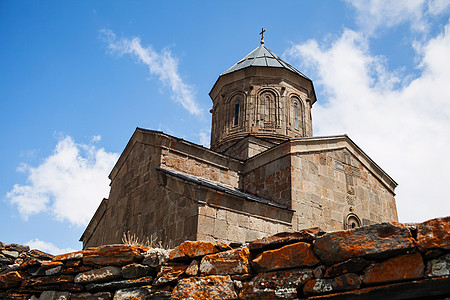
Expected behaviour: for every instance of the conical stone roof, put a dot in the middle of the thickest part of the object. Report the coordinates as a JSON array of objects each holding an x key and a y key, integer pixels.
[{"x": 262, "y": 57}]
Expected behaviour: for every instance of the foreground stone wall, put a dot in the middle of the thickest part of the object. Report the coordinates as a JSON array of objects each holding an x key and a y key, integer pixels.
[{"x": 387, "y": 260}]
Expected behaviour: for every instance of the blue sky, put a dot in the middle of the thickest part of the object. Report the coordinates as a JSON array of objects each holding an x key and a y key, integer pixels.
[{"x": 77, "y": 78}]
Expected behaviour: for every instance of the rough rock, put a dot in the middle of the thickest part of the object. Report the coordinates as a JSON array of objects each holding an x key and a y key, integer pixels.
[
  {"x": 69, "y": 256},
  {"x": 53, "y": 271},
  {"x": 434, "y": 233},
  {"x": 192, "y": 270},
  {"x": 10, "y": 253},
  {"x": 11, "y": 279},
  {"x": 155, "y": 257},
  {"x": 374, "y": 241},
  {"x": 98, "y": 275},
  {"x": 353, "y": 265},
  {"x": 89, "y": 296},
  {"x": 120, "y": 284},
  {"x": 284, "y": 238},
  {"x": 344, "y": 282},
  {"x": 226, "y": 263},
  {"x": 135, "y": 270},
  {"x": 17, "y": 247},
  {"x": 439, "y": 266},
  {"x": 276, "y": 285},
  {"x": 208, "y": 287},
  {"x": 113, "y": 255},
  {"x": 40, "y": 255},
  {"x": 47, "y": 280},
  {"x": 170, "y": 273},
  {"x": 193, "y": 249},
  {"x": 54, "y": 295},
  {"x": 399, "y": 268},
  {"x": 290, "y": 256},
  {"x": 51, "y": 264},
  {"x": 132, "y": 293}
]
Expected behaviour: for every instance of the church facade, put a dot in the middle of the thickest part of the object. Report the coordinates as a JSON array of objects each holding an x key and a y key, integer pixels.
[{"x": 264, "y": 173}]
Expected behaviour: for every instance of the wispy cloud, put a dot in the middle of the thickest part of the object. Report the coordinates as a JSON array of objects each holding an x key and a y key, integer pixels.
[
  {"x": 163, "y": 65},
  {"x": 376, "y": 14},
  {"x": 47, "y": 247},
  {"x": 69, "y": 184},
  {"x": 205, "y": 137},
  {"x": 402, "y": 123}
]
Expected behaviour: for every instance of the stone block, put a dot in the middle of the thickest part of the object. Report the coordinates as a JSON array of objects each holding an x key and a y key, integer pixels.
[
  {"x": 155, "y": 257},
  {"x": 353, "y": 265},
  {"x": 208, "y": 287},
  {"x": 341, "y": 283},
  {"x": 89, "y": 296},
  {"x": 290, "y": 256},
  {"x": 137, "y": 293},
  {"x": 135, "y": 270},
  {"x": 114, "y": 255},
  {"x": 98, "y": 275},
  {"x": 119, "y": 284},
  {"x": 226, "y": 263},
  {"x": 192, "y": 249},
  {"x": 192, "y": 269},
  {"x": 439, "y": 266},
  {"x": 275, "y": 285},
  {"x": 11, "y": 279},
  {"x": 434, "y": 233},
  {"x": 54, "y": 295},
  {"x": 375, "y": 241},
  {"x": 284, "y": 238},
  {"x": 170, "y": 273},
  {"x": 399, "y": 268}
]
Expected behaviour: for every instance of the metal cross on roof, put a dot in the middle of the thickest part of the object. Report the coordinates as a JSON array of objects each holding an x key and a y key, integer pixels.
[{"x": 262, "y": 35}]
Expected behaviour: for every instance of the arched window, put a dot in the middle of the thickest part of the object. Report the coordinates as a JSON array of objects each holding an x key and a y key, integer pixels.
[
  {"x": 295, "y": 115},
  {"x": 236, "y": 113},
  {"x": 352, "y": 221},
  {"x": 268, "y": 109}
]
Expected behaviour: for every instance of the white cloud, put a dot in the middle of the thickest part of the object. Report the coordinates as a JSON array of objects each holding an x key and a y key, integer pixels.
[
  {"x": 205, "y": 138},
  {"x": 403, "y": 125},
  {"x": 47, "y": 247},
  {"x": 375, "y": 14},
  {"x": 164, "y": 65},
  {"x": 69, "y": 184}
]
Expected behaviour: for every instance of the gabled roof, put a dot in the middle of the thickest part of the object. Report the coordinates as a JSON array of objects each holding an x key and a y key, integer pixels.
[{"x": 262, "y": 57}]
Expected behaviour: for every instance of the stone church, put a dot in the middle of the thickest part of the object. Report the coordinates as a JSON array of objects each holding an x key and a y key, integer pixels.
[{"x": 264, "y": 173}]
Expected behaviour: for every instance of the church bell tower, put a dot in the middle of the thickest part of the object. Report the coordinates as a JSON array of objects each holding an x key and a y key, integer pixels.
[{"x": 260, "y": 102}]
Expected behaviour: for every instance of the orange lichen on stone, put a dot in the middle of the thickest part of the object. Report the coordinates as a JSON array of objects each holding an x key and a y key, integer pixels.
[
  {"x": 226, "y": 263},
  {"x": 379, "y": 240},
  {"x": 208, "y": 287},
  {"x": 51, "y": 264},
  {"x": 434, "y": 233},
  {"x": 69, "y": 256},
  {"x": 193, "y": 249},
  {"x": 290, "y": 256},
  {"x": 11, "y": 279},
  {"x": 116, "y": 255},
  {"x": 402, "y": 267}
]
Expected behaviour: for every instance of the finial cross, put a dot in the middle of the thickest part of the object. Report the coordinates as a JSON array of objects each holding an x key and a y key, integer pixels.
[{"x": 262, "y": 35}]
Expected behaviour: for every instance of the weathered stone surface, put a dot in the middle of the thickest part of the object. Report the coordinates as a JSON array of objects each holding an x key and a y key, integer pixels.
[
  {"x": 114, "y": 255},
  {"x": 155, "y": 257},
  {"x": 135, "y": 270},
  {"x": 51, "y": 264},
  {"x": 119, "y": 284},
  {"x": 75, "y": 270},
  {"x": 69, "y": 256},
  {"x": 208, "y": 287},
  {"x": 160, "y": 292},
  {"x": 434, "y": 233},
  {"x": 226, "y": 263},
  {"x": 276, "y": 285},
  {"x": 284, "y": 238},
  {"x": 98, "y": 275},
  {"x": 11, "y": 279},
  {"x": 40, "y": 255},
  {"x": 47, "y": 280},
  {"x": 89, "y": 296},
  {"x": 353, "y": 265},
  {"x": 30, "y": 263},
  {"x": 54, "y": 295},
  {"x": 5, "y": 260},
  {"x": 132, "y": 293},
  {"x": 433, "y": 288},
  {"x": 290, "y": 256},
  {"x": 17, "y": 247},
  {"x": 439, "y": 266},
  {"x": 374, "y": 241},
  {"x": 399, "y": 268},
  {"x": 193, "y": 249},
  {"x": 10, "y": 253},
  {"x": 192, "y": 270},
  {"x": 170, "y": 273},
  {"x": 53, "y": 271},
  {"x": 344, "y": 282}
]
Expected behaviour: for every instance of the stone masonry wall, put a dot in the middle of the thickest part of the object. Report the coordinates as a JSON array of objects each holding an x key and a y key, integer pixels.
[
  {"x": 327, "y": 186},
  {"x": 380, "y": 261}
]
